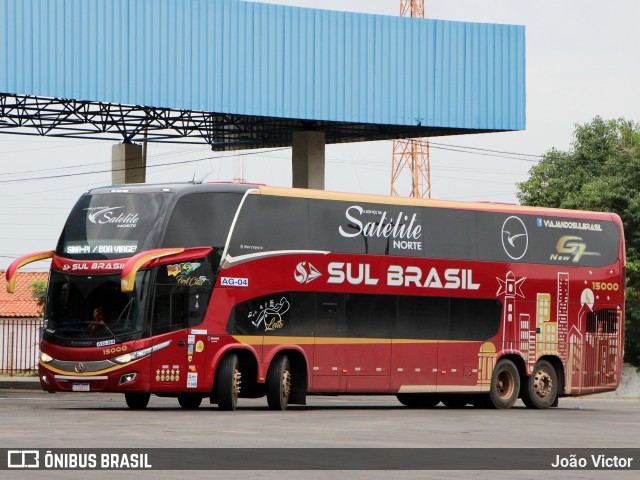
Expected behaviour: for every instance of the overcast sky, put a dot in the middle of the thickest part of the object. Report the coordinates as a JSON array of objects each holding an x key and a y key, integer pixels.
[{"x": 582, "y": 60}]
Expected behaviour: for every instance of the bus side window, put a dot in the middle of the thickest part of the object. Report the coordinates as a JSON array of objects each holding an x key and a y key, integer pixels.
[
  {"x": 372, "y": 316},
  {"x": 182, "y": 295},
  {"x": 330, "y": 320},
  {"x": 170, "y": 312}
]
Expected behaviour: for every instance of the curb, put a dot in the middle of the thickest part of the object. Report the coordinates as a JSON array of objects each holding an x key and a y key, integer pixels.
[{"x": 20, "y": 383}]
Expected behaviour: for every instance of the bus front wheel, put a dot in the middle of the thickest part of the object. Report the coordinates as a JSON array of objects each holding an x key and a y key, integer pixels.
[
  {"x": 137, "y": 401},
  {"x": 505, "y": 384},
  {"x": 228, "y": 386},
  {"x": 542, "y": 387},
  {"x": 279, "y": 383}
]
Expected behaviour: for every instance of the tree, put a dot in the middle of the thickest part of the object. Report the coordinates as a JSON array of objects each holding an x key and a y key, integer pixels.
[
  {"x": 39, "y": 292},
  {"x": 601, "y": 172}
]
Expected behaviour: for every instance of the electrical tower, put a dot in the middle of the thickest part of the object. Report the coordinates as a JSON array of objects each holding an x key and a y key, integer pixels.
[{"x": 412, "y": 154}]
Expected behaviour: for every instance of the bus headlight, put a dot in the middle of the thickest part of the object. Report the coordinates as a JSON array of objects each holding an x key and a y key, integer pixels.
[
  {"x": 138, "y": 354},
  {"x": 44, "y": 358}
]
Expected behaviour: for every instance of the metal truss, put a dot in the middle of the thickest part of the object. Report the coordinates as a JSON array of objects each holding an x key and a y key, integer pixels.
[{"x": 31, "y": 115}]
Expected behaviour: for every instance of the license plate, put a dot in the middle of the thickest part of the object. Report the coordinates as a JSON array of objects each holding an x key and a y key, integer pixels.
[{"x": 80, "y": 387}]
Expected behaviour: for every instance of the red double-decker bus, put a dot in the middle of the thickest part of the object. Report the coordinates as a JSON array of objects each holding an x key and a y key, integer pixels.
[{"x": 226, "y": 291}]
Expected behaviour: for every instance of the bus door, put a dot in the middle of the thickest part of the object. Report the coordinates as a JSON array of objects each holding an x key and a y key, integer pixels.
[{"x": 181, "y": 297}]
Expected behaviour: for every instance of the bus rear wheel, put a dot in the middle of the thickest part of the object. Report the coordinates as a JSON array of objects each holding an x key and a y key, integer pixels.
[
  {"x": 542, "y": 387},
  {"x": 189, "y": 401},
  {"x": 279, "y": 383},
  {"x": 505, "y": 384},
  {"x": 229, "y": 381},
  {"x": 418, "y": 400},
  {"x": 137, "y": 401}
]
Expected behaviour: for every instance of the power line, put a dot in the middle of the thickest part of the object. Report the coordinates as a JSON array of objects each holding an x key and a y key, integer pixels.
[
  {"x": 49, "y": 177},
  {"x": 69, "y": 167},
  {"x": 490, "y": 150}
]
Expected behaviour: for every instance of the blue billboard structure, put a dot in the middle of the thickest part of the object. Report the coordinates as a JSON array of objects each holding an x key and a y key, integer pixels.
[{"x": 237, "y": 74}]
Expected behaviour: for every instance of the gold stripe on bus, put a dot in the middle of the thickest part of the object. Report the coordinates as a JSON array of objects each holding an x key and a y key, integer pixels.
[
  {"x": 443, "y": 388},
  {"x": 86, "y": 374},
  {"x": 413, "y": 202},
  {"x": 260, "y": 340}
]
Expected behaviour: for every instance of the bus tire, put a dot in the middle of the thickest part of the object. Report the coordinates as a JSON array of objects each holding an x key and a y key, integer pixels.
[
  {"x": 542, "y": 387},
  {"x": 505, "y": 384},
  {"x": 418, "y": 400},
  {"x": 137, "y": 401},
  {"x": 279, "y": 383},
  {"x": 229, "y": 381},
  {"x": 189, "y": 401}
]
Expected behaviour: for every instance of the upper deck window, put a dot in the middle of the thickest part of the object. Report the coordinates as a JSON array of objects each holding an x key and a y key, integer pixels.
[
  {"x": 201, "y": 220},
  {"x": 272, "y": 223}
]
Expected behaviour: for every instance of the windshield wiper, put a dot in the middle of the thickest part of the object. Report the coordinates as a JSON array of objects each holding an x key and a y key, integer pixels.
[
  {"x": 106, "y": 327},
  {"x": 127, "y": 309}
]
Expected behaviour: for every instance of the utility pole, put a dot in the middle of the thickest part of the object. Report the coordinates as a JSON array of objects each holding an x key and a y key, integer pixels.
[{"x": 412, "y": 154}]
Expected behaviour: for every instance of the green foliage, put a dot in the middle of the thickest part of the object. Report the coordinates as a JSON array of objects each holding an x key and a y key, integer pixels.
[
  {"x": 601, "y": 172},
  {"x": 39, "y": 292}
]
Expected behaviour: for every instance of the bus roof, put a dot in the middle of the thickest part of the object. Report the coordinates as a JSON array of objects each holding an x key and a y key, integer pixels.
[
  {"x": 185, "y": 188},
  {"x": 420, "y": 202}
]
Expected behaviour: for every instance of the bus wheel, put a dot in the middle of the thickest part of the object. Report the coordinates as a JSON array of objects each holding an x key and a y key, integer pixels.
[
  {"x": 542, "y": 387},
  {"x": 137, "y": 401},
  {"x": 189, "y": 401},
  {"x": 229, "y": 380},
  {"x": 505, "y": 384},
  {"x": 455, "y": 401},
  {"x": 418, "y": 400},
  {"x": 279, "y": 383}
]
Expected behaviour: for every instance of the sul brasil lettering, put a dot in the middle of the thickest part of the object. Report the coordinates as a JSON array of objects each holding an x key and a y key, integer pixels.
[
  {"x": 398, "y": 276},
  {"x": 404, "y": 230},
  {"x": 93, "y": 266}
]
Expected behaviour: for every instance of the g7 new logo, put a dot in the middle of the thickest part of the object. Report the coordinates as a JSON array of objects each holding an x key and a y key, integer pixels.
[{"x": 572, "y": 247}]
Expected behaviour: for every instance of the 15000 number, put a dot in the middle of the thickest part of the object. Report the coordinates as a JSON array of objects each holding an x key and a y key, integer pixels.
[
  {"x": 611, "y": 287},
  {"x": 118, "y": 349}
]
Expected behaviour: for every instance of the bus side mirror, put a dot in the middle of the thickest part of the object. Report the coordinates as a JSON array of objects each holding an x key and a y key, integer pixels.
[{"x": 12, "y": 272}]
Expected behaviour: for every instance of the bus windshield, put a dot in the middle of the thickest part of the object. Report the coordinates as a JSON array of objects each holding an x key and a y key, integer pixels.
[
  {"x": 87, "y": 310},
  {"x": 113, "y": 225}
]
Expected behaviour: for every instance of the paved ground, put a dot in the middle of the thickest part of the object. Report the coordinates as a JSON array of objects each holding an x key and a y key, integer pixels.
[{"x": 34, "y": 419}]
